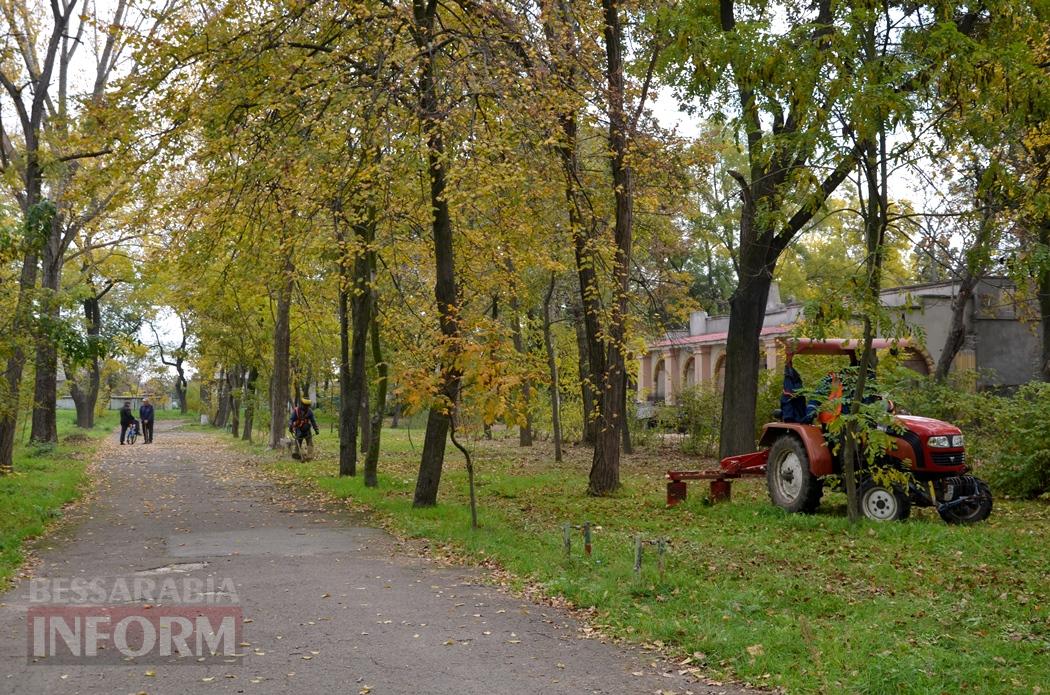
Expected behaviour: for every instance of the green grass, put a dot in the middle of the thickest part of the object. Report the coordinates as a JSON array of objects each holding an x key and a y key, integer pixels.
[
  {"x": 172, "y": 414},
  {"x": 44, "y": 480},
  {"x": 807, "y": 603}
]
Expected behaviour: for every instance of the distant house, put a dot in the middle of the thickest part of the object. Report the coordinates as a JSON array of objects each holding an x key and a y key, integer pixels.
[
  {"x": 64, "y": 400},
  {"x": 117, "y": 402},
  {"x": 1005, "y": 349}
]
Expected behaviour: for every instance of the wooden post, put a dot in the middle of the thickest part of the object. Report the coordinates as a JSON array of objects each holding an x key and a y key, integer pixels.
[
  {"x": 587, "y": 538},
  {"x": 638, "y": 556},
  {"x": 566, "y": 531}
]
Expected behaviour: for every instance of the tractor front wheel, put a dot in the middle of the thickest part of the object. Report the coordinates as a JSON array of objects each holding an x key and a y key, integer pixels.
[
  {"x": 792, "y": 486},
  {"x": 881, "y": 503},
  {"x": 973, "y": 511}
]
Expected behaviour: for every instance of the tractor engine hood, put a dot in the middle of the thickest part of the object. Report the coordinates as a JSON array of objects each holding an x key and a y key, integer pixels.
[{"x": 927, "y": 426}]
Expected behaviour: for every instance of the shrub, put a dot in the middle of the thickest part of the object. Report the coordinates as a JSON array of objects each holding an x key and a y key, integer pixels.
[
  {"x": 1022, "y": 467},
  {"x": 701, "y": 414}
]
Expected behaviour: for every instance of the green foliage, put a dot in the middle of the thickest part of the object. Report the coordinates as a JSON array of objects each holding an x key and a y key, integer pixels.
[
  {"x": 1023, "y": 446},
  {"x": 700, "y": 412},
  {"x": 702, "y": 417},
  {"x": 38, "y": 224}
]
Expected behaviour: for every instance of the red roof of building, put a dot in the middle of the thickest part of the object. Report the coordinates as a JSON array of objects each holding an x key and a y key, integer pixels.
[{"x": 707, "y": 338}]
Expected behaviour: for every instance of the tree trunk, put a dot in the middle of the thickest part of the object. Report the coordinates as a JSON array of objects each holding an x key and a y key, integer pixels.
[
  {"x": 347, "y": 411},
  {"x": 279, "y": 386},
  {"x": 1044, "y": 298},
  {"x": 86, "y": 399},
  {"x": 445, "y": 292},
  {"x": 356, "y": 375},
  {"x": 525, "y": 430},
  {"x": 249, "y": 403},
  {"x": 628, "y": 448},
  {"x": 16, "y": 362},
  {"x": 552, "y": 368},
  {"x": 590, "y": 428},
  {"x": 560, "y": 27},
  {"x": 181, "y": 385},
  {"x": 372, "y": 460},
  {"x": 976, "y": 260},
  {"x": 605, "y": 467},
  {"x": 740, "y": 395},
  {"x": 957, "y": 330},
  {"x": 875, "y": 223},
  {"x": 236, "y": 384},
  {"x": 45, "y": 428},
  {"x": 365, "y": 425},
  {"x": 222, "y": 408},
  {"x": 23, "y": 317}
]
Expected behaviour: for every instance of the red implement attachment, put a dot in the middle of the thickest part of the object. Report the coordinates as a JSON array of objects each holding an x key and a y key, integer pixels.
[
  {"x": 745, "y": 464},
  {"x": 753, "y": 464}
]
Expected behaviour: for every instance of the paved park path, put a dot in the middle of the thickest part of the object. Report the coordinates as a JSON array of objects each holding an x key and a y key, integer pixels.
[{"x": 336, "y": 605}]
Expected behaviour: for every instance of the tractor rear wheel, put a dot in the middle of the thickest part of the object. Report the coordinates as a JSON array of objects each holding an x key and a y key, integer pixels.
[
  {"x": 971, "y": 512},
  {"x": 792, "y": 486},
  {"x": 881, "y": 503}
]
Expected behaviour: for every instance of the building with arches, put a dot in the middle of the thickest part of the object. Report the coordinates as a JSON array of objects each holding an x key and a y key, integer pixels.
[{"x": 999, "y": 343}]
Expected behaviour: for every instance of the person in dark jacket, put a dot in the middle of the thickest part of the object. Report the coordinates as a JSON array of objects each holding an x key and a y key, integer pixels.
[
  {"x": 793, "y": 406},
  {"x": 146, "y": 417},
  {"x": 126, "y": 420},
  {"x": 302, "y": 421}
]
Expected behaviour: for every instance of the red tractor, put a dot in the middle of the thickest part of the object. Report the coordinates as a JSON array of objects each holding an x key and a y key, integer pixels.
[{"x": 799, "y": 462}]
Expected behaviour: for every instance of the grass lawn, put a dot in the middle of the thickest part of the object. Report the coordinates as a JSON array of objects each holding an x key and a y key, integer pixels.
[
  {"x": 44, "y": 480},
  {"x": 807, "y": 603}
]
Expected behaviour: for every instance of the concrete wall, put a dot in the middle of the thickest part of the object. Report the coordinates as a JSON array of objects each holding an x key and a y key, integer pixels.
[
  {"x": 1009, "y": 350},
  {"x": 999, "y": 341},
  {"x": 117, "y": 402}
]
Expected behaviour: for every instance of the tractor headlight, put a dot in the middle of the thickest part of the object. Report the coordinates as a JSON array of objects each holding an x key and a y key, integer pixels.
[
  {"x": 940, "y": 442},
  {"x": 957, "y": 440}
]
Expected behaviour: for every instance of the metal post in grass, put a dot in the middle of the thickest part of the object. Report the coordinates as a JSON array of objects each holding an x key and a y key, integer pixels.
[
  {"x": 587, "y": 538},
  {"x": 566, "y": 533},
  {"x": 661, "y": 546},
  {"x": 638, "y": 556}
]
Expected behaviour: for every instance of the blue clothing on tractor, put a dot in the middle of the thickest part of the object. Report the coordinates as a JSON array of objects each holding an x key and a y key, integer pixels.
[{"x": 793, "y": 405}]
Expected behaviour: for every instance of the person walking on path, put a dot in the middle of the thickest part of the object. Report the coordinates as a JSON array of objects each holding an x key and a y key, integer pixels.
[
  {"x": 126, "y": 420},
  {"x": 146, "y": 418},
  {"x": 302, "y": 421}
]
